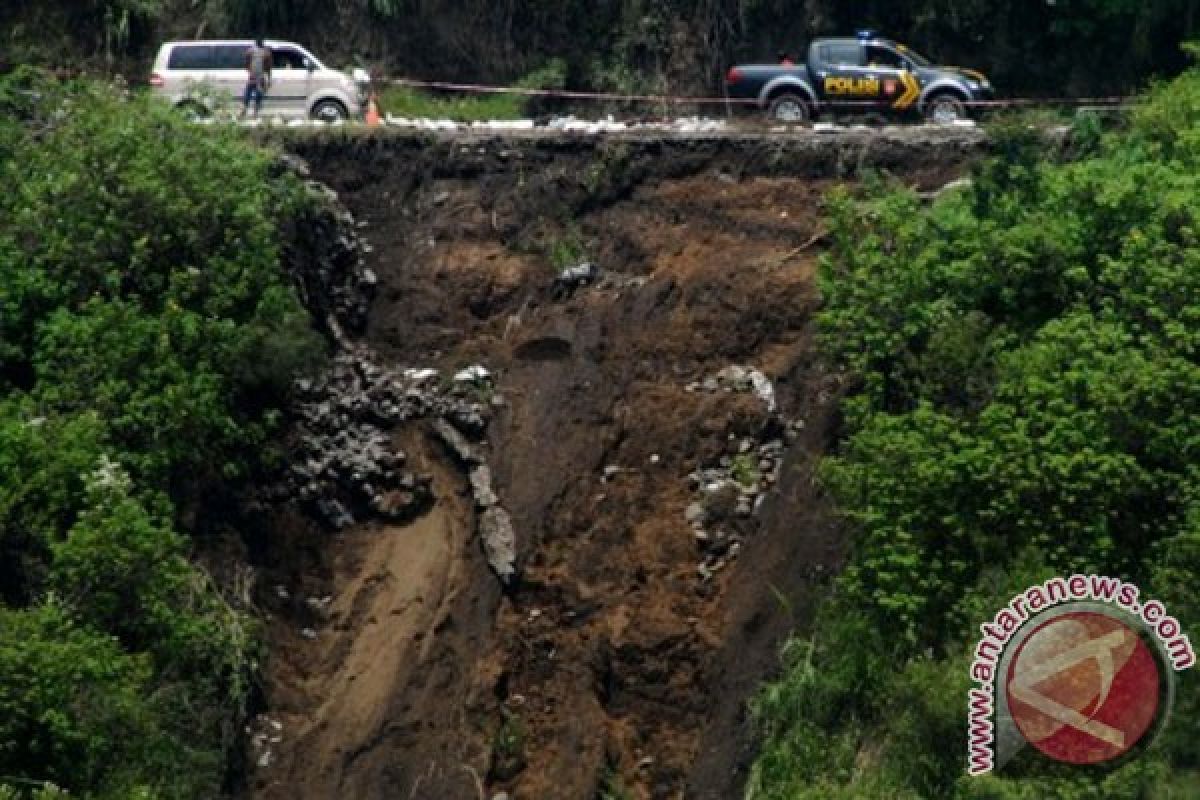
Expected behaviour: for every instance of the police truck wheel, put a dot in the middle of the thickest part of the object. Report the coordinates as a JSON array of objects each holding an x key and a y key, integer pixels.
[
  {"x": 329, "y": 111},
  {"x": 945, "y": 109},
  {"x": 790, "y": 108}
]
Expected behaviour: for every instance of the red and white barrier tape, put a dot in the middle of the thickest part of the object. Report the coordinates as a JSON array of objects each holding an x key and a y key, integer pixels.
[{"x": 567, "y": 94}]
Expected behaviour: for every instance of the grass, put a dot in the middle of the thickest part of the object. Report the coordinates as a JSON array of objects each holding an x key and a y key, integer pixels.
[
  {"x": 508, "y": 747},
  {"x": 405, "y": 101},
  {"x": 613, "y": 788},
  {"x": 567, "y": 250},
  {"x": 745, "y": 469}
]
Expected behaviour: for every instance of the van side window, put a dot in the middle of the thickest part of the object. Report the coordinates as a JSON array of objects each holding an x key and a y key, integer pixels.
[
  {"x": 230, "y": 56},
  {"x": 286, "y": 58},
  {"x": 191, "y": 56}
]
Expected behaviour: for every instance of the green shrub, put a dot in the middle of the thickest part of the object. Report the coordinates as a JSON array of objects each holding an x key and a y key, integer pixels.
[
  {"x": 148, "y": 333},
  {"x": 74, "y": 707},
  {"x": 1029, "y": 354}
]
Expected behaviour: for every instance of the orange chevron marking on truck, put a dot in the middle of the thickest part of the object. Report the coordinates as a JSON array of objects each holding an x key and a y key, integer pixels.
[{"x": 912, "y": 90}]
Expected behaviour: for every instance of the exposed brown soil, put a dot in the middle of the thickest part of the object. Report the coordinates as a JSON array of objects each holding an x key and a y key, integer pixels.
[{"x": 613, "y": 665}]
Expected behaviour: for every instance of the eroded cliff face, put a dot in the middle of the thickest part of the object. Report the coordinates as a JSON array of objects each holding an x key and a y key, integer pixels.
[{"x": 648, "y": 426}]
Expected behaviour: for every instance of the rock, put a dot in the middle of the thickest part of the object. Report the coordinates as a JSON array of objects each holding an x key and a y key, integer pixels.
[
  {"x": 474, "y": 374},
  {"x": 420, "y": 377},
  {"x": 611, "y": 471},
  {"x": 294, "y": 164},
  {"x": 481, "y": 487},
  {"x": 318, "y": 605},
  {"x": 695, "y": 514},
  {"x": 573, "y": 278},
  {"x": 334, "y": 513},
  {"x": 459, "y": 447},
  {"x": 499, "y": 543},
  {"x": 308, "y": 633},
  {"x": 764, "y": 389},
  {"x": 469, "y": 420}
]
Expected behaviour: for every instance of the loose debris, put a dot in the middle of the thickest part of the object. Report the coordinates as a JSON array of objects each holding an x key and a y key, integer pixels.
[
  {"x": 343, "y": 467},
  {"x": 325, "y": 258},
  {"x": 729, "y": 492},
  {"x": 263, "y": 732},
  {"x": 573, "y": 278},
  {"x": 739, "y": 379}
]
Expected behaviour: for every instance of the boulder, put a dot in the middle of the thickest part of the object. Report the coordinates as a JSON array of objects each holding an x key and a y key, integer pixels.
[{"x": 499, "y": 543}]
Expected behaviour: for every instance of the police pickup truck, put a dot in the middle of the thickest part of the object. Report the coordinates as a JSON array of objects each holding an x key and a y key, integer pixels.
[{"x": 865, "y": 75}]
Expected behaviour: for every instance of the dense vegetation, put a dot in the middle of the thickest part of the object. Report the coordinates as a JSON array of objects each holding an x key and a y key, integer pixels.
[
  {"x": 1029, "y": 406},
  {"x": 139, "y": 272},
  {"x": 683, "y": 46}
]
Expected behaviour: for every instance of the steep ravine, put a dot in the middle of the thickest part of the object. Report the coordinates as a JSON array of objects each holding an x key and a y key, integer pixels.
[{"x": 654, "y": 585}]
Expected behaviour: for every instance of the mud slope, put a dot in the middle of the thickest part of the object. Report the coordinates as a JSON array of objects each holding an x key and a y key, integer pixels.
[{"x": 623, "y": 660}]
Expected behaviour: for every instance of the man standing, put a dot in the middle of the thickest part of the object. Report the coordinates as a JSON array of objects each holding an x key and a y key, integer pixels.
[{"x": 258, "y": 76}]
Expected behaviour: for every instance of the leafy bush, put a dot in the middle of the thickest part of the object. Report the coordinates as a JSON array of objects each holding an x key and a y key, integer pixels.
[
  {"x": 73, "y": 706},
  {"x": 141, "y": 291},
  {"x": 1029, "y": 354}
]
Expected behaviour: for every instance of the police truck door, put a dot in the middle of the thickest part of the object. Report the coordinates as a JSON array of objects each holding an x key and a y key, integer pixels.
[{"x": 847, "y": 79}]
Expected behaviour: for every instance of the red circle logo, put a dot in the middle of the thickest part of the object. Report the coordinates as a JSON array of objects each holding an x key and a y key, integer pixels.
[{"x": 1083, "y": 688}]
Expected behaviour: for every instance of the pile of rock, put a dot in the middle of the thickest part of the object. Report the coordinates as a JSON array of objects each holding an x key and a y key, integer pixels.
[
  {"x": 739, "y": 379},
  {"x": 343, "y": 464},
  {"x": 325, "y": 257},
  {"x": 726, "y": 497},
  {"x": 729, "y": 491},
  {"x": 263, "y": 732},
  {"x": 494, "y": 523}
]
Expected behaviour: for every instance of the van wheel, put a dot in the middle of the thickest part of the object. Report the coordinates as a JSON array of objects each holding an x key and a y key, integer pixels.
[
  {"x": 789, "y": 107},
  {"x": 329, "y": 111},
  {"x": 945, "y": 108}
]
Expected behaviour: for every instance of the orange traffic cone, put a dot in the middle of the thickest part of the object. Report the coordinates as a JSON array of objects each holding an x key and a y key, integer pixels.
[{"x": 372, "y": 112}]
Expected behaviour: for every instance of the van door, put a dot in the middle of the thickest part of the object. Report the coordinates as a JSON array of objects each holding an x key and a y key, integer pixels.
[
  {"x": 291, "y": 83},
  {"x": 229, "y": 70},
  {"x": 189, "y": 71}
]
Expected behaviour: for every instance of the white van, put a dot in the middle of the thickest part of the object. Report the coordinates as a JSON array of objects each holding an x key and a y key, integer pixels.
[{"x": 199, "y": 75}]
